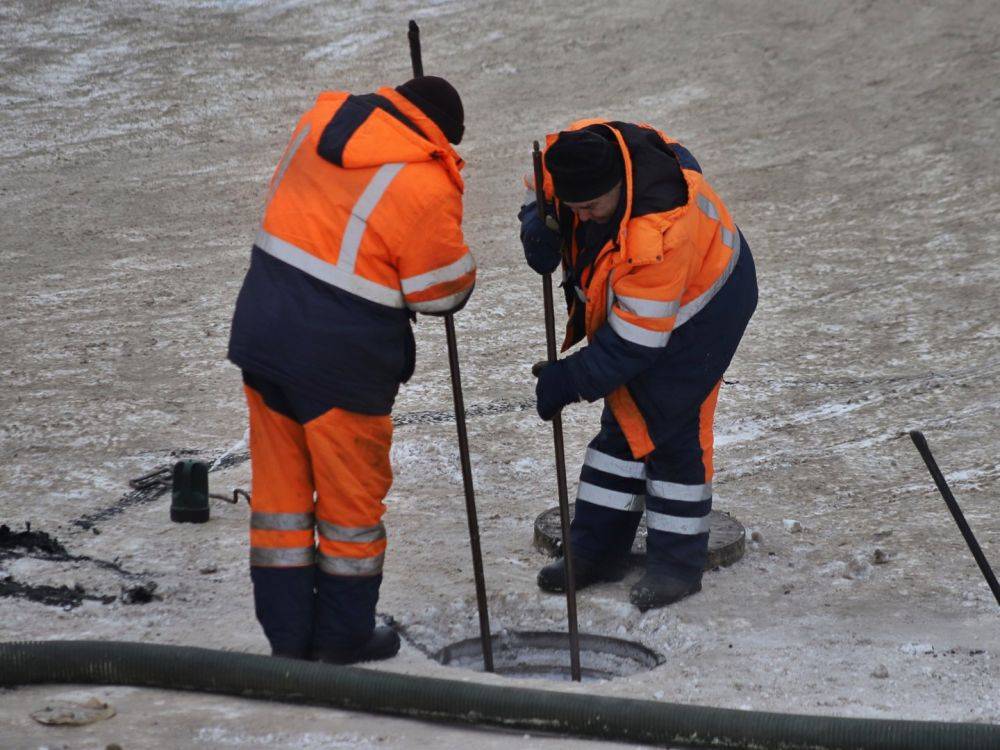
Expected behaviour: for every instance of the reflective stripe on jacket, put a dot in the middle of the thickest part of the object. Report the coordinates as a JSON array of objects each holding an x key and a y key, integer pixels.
[
  {"x": 654, "y": 275},
  {"x": 362, "y": 228}
]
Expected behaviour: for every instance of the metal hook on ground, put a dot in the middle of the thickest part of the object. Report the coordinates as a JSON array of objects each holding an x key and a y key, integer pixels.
[
  {"x": 156, "y": 478},
  {"x": 234, "y": 499}
]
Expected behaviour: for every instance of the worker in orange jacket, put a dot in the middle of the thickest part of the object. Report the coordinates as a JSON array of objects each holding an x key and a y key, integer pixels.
[
  {"x": 661, "y": 282},
  {"x": 362, "y": 230}
]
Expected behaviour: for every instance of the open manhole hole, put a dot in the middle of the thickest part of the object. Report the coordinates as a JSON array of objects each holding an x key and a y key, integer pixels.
[
  {"x": 726, "y": 537},
  {"x": 545, "y": 655}
]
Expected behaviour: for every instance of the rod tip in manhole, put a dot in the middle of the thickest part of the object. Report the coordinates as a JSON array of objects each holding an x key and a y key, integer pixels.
[{"x": 545, "y": 655}]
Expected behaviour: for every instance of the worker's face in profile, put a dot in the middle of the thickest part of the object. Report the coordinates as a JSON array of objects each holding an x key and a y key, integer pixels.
[{"x": 599, "y": 209}]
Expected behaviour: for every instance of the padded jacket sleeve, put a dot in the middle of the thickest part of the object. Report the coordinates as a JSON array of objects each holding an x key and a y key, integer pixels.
[{"x": 436, "y": 269}]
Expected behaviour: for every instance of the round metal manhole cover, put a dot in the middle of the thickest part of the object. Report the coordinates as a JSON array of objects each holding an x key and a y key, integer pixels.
[
  {"x": 545, "y": 655},
  {"x": 726, "y": 537}
]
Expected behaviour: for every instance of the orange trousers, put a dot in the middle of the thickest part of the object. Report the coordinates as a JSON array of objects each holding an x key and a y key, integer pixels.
[
  {"x": 320, "y": 476},
  {"x": 334, "y": 467}
]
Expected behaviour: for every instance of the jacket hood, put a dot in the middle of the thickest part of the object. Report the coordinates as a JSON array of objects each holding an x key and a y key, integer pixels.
[
  {"x": 383, "y": 128},
  {"x": 658, "y": 183}
]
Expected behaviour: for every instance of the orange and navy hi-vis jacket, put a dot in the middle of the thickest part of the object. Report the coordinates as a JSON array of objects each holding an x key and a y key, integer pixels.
[
  {"x": 657, "y": 270},
  {"x": 362, "y": 229}
]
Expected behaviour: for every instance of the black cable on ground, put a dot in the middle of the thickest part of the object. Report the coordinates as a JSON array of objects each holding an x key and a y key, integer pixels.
[{"x": 624, "y": 719}]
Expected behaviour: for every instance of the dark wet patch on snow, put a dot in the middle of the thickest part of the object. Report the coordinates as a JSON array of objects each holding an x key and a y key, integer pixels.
[
  {"x": 41, "y": 545},
  {"x": 71, "y": 597},
  {"x": 44, "y": 546},
  {"x": 15, "y": 543},
  {"x": 56, "y": 596}
]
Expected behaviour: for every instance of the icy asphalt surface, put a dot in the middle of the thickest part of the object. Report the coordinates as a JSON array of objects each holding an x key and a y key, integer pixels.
[{"x": 854, "y": 142}]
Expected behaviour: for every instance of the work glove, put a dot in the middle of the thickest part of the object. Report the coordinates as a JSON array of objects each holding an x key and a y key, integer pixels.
[
  {"x": 555, "y": 388},
  {"x": 541, "y": 240}
]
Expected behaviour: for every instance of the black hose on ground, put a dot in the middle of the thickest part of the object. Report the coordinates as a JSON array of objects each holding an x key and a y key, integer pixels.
[{"x": 256, "y": 676}]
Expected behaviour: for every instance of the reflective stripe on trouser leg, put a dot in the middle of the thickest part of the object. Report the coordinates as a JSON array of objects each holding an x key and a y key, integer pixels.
[
  {"x": 281, "y": 523},
  {"x": 351, "y": 470},
  {"x": 610, "y": 496},
  {"x": 679, "y": 498}
]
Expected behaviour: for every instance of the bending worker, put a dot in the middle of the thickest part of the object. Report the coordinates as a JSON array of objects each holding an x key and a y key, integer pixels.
[
  {"x": 362, "y": 230},
  {"x": 660, "y": 280}
]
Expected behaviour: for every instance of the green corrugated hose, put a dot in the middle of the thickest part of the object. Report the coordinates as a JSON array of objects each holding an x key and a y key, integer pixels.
[{"x": 256, "y": 676}]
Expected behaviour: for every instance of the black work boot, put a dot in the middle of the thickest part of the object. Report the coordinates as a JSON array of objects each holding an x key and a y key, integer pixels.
[
  {"x": 552, "y": 577},
  {"x": 383, "y": 644},
  {"x": 658, "y": 590}
]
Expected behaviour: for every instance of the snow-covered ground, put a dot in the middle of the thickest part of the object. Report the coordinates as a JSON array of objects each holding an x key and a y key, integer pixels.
[{"x": 854, "y": 142}]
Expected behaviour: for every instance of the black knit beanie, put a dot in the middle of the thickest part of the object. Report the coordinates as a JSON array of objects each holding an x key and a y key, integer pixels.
[
  {"x": 583, "y": 165},
  {"x": 437, "y": 99}
]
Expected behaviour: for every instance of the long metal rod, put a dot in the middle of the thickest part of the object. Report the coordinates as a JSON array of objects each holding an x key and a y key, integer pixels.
[
  {"x": 463, "y": 438},
  {"x": 413, "y": 34},
  {"x": 970, "y": 539},
  {"x": 557, "y": 439},
  {"x": 470, "y": 494}
]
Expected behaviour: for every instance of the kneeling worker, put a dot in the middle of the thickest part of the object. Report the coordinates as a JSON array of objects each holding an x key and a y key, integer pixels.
[
  {"x": 660, "y": 280},
  {"x": 362, "y": 230}
]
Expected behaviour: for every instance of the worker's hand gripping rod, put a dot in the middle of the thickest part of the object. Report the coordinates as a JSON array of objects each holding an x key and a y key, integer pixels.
[
  {"x": 557, "y": 437},
  {"x": 463, "y": 439},
  {"x": 949, "y": 499}
]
